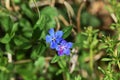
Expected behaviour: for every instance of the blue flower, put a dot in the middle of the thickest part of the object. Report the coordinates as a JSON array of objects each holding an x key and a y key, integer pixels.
[
  {"x": 54, "y": 38},
  {"x": 64, "y": 48}
]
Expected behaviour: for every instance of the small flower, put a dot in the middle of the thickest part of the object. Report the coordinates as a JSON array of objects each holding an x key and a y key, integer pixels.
[
  {"x": 64, "y": 48},
  {"x": 54, "y": 38}
]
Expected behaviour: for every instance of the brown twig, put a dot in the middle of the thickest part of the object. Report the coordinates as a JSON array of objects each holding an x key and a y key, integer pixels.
[
  {"x": 14, "y": 7},
  {"x": 7, "y": 5},
  {"x": 45, "y": 2},
  {"x": 70, "y": 11},
  {"x": 114, "y": 17},
  {"x": 52, "y": 3},
  {"x": 58, "y": 24},
  {"x": 39, "y": 4},
  {"x": 22, "y": 61},
  {"x": 47, "y": 59},
  {"x": 78, "y": 15},
  {"x": 65, "y": 22}
]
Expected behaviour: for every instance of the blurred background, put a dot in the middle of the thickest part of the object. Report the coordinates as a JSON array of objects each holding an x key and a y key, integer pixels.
[{"x": 92, "y": 25}]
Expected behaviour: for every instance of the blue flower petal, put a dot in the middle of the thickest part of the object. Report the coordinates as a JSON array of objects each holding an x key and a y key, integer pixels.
[
  {"x": 63, "y": 42},
  {"x": 69, "y": 45},
  {"x": 67, "y": 51},
  {"x": 51, "y": 32},
  {"x": 53, "y": 45},
  {"x": 48, "y": 39},
  {"x": 58, "y": 40},
  {"x": 59, "y": 34},
  {"x": 57, "y": 48}
]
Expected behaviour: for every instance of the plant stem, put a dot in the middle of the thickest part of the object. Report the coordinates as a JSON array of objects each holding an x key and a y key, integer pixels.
[
  {"x": 37, "y": 8},
  {"x": 67, "y": 76},
  {"x": 91, "y": 58}
]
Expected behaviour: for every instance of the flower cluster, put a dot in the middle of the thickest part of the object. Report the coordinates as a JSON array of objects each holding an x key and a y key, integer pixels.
[{"x": 57, "y": 42}]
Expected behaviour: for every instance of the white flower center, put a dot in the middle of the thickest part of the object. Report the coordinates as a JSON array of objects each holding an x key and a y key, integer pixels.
[
  {"x": 53, "y": 39},
  {"x": 63, "y": 47}
]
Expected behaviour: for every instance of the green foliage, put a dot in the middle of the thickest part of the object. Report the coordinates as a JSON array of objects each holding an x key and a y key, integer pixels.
[
  {"x": 25, "y": 55},
  {"x": 40, "y": 62},
  {"x": 78, "y": 78},
  {"x": 89, "y": 20},
  {"x": 67, "y": 30},
  {"x": 55, "y": 59},
  {"x": 50, "y": 11}
]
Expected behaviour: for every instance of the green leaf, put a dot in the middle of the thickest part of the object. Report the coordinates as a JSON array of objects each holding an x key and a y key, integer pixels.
[
  {"x": 80, "y": 39},
  {"x": 89, "y": 20},
  {"x": 47, "y": 18},
  {"x": 4, "y": 69},
  {"x": 42, "y": 49},
  {"x": 22, "y": 42},
  {"x": 25, "y": 24},
  {"x": 78, "y": 77},
  {"x": 55, "y": 59},
  {"x": 103, "y": 46},
  {"x": 6, "y": 39},
  {"x": 95, "y": 41},
  {"x": 50, "y": 11},
  {"x": 40, "y": 62},
  {"x": 6, "y": 22},
  {"x": 38, "y": 50},
  {"x": 62, "y": 63},
  {"x": 20, "y": 55},
  {"x": 106, "y": 59},
  {"x": 101, "y": 70},
  {"x": 27, "y": 11},
  {"x": 8, "y": 49},
  {"x": 14, "y": 29},
  {"x": 17, "y": 1},
  {"x": 34, "y": 36},
  {"x": 18, "y": 41},
  {"x": 45, "y": 22},
  {"x": 94, "y": 21},
  {"x": 26, "y": 72},
  {"x": 118, "y": 63},
  {"x": 25, "y": 28},
  {"x": 43, "y": 34},
  {"x": 67, "y": 30},
  {"x": 4, "y": 12},
  {"x": 26, "y": 45},
  {"x": 42, "y": 21},
  {"x": 51, "y": 23},
  {"x": 84, "y": 18},
  {"x": 27, "y": 34},
  {"x": 59, "y": 71}
]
